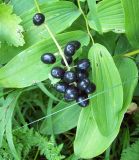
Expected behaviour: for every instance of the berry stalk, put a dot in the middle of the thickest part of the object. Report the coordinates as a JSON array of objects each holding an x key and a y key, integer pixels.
[
  {"x": 86, "y": 21},
  {"x": 53, "y": 37},
  {"x": 58, "y": 46}
]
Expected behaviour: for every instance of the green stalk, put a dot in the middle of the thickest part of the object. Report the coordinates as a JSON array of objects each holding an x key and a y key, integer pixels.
[
  {"x": 53, "y": 37},
  {"x": 132, "y": 53},
  {"x": 86, "y": 21}
]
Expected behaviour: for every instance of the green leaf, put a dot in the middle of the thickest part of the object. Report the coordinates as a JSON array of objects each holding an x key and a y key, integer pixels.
[
  {"x": 22, "y": 6},
  {"x": 62, "y": 121},
  {"x": 131, "y": 152},
  {"x": 131, "y": 8},
  {"x": 10, "y": 30},
  {"x": 111, "y": 16},
  {"x": 93, "y": 16},
  {"x": 105, "y": 75},
  {"x": 129, "y": 79},
  {"x": 88, "y": 134},
  {"x": 26, "y": 68},
  {"x": 6, "y": 120}
]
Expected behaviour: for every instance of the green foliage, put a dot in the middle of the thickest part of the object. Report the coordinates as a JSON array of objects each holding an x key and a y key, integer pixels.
[
  {"x": 131, "y": 9},
  {"x": 26, "y": 139},
  {"x": 131, "y": 152},
  {"x": 108, "y": 33},
  {"x": 12, "y": 34}
]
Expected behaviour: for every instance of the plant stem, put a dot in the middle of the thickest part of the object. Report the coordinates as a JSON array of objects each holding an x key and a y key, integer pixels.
[
  {"x": 58, "y": 46},
  {"x": 53, "y": 37},
  {"x": 86, "y": 21},
  {"x": 37, "y": 6},
  {"x": 36, "y": 155},
  {"x": 132, "y": 53},
  {"x": 107, "y": 154}
]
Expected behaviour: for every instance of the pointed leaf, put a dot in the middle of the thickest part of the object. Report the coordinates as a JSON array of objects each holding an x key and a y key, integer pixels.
[{"x": 105, "y": 75}]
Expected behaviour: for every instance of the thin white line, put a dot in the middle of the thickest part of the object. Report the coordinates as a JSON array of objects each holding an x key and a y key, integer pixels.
[{"x": 97, "y": 94}]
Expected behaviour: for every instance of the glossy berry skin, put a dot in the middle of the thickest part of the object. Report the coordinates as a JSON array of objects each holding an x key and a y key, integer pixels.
[
  {"x": 57, "y": 72},
  {"x": 83, "y": 84},
  {"x": 91, "y": 88},
  {"x": 82, "y": 101},
  {"x": 61, "y": 87},
  {"x": 38, "y": 19},
  {"x": 83, "y": 64},
  {"x": 70, "y": 76},
  {"x": 77, "y": 44},
  {"x": 69, "y": 61},
  {"x": 69, "y": 50},
  {"x": 48, "y": 58},
  {"x": 71, "y": 93},
  {"x": 81, "y": 74}
]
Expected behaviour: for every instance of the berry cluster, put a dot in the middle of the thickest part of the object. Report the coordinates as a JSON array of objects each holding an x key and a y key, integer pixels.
[{"x": 74, "y": 84}]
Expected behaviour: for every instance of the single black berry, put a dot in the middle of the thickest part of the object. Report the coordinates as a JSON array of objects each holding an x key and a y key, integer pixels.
[
  {"x": 91, "y": 88},
  {"x": 69, "y": 76},
  {"x": 48, "y": 58},
  {"x": 77, "y": 44},
  {"x": 71, "y": 93},
  {"x": 69, "y": 50},
  {"x": 83, "y": 84},
  {"x": 83, "y": 64},
  {"x": 81, "y": 74},
  {"x": 68, "y": 59},
  {"x": 82, "y": 101},
  {"x": 57, "y": 72},
  {"x": 61, "y": 87},
  {"x": 38, "y": 19}
]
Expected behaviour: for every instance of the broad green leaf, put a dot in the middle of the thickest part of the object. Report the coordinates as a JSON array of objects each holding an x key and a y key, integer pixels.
[
  {"x": 10, "y": 30},
  {"x": 88, "y": 134},
  {"x": 59, "y": 16},
  {"x": 131, "y": 8},
  {"x": 93, "y": 16},
  {"x": 22, "y": 6},
  {"x": 105, "y": 75},
  {"x": 129, "y": 79},
  {"x": 63, "y": 120},
  {"x": 131, "y": 152},
  {"x": 26, "y": 68},
  {"x": 111, "y": 16}
]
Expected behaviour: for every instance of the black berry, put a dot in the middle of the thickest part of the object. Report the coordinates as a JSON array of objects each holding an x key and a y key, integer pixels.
[
  {"x": 61, "y": 87},
  {"x": 48, "y": 58},
  {"x": 91, "y": 88},
  {"x": 69, "y": 60},
  {"x": 57, "y": 72},
  {"x": 69, "y": 50},
  {"x": 83, "y": 64},
  {"x": 70, "y": 76},
  {"x": 81, "y": 74},
  {"x": 82, "y": 101},
  {"x": 38, "y": 19},
  {"x": 71, "y": 93},
  {"x": 83, "y": 84},
  {"x": 77, "y": 44}
]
